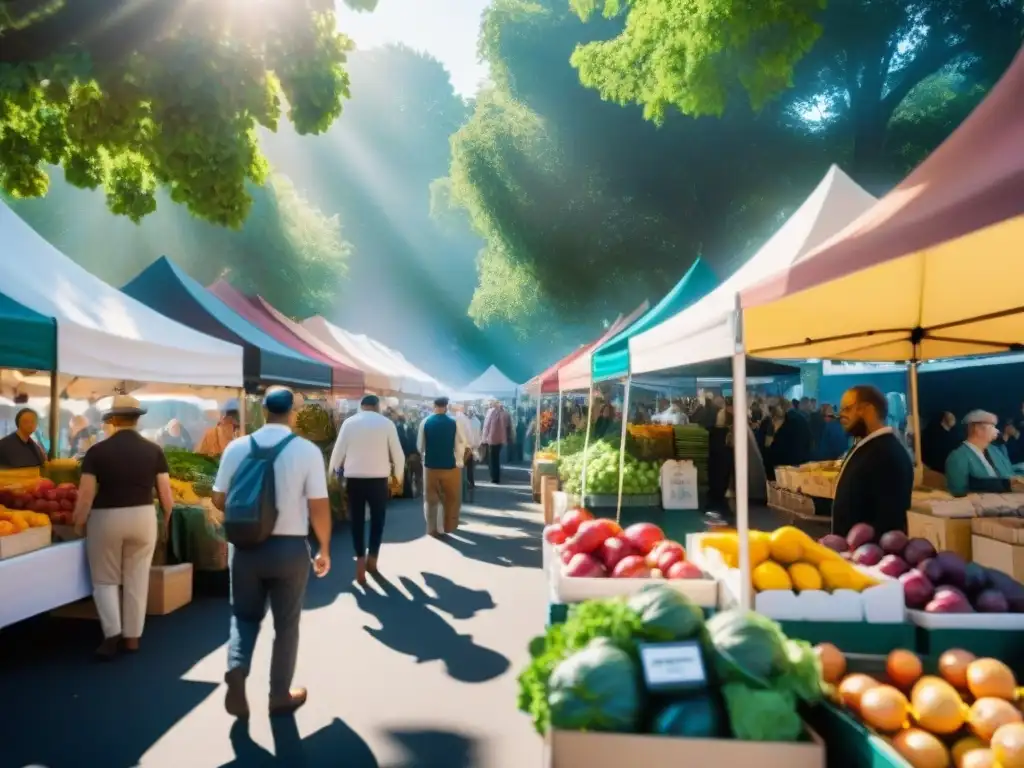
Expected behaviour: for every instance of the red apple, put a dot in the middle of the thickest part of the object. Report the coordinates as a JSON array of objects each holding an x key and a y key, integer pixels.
[
  {"x": 50, "y": 495},
  {"x": 567, "y": 554},
  {"x": 663, "y": 546},
  {"x": 555, "y": 534},
  {"x": 571, "y": 520},
  {"x": 67, "y": 504},
  {"x": 684, "y": 569},
  {"x": 643, "y": 536},
  {"x": 669, "y": 557},
  {"x": 632, "y": 567},
  {"x": 583, "y": 567},
  {"x": 613, "y": 550},
  {"x": 45, "y": 484}
]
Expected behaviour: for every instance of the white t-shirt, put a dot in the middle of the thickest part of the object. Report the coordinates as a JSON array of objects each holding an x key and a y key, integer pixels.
[{"x": 298, "y": 475}]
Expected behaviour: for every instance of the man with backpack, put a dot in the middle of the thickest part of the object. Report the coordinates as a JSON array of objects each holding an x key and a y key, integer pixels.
[{"x": 272, "y": 487}]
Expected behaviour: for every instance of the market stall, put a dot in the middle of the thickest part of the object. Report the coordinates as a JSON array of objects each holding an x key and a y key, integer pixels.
[
  {"x": 403, "y": 377},
  {"x": 493, "y": 383},
  {"x": 164, "y": 287},
  {"x": 346, "y": 380},
  {"x": 376, "y": 380},
  {"x": 103, "y": 339}
]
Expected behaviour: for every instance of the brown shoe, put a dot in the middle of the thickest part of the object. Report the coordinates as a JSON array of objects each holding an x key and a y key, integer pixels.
[
  {"x": 371, "y": 564},
  {"x": 108, "y": 648},
  {"x": 296, "y": 698},
  {"x": 361, "y": 570},
  {"x": 235, "y": 701},
  {"x": 131, "y": 644}
]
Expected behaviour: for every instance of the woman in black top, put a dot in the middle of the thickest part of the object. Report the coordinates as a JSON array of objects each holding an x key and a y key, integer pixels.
[{"x": 115, "y": 498}]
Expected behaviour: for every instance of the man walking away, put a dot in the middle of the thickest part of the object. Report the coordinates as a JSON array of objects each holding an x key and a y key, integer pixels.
[
  {"x": 367, "y": 453},
  {"x": 495, "y": 437},
  {"x": 277, "y": 568},
  {"x": 442, "y": 443}
]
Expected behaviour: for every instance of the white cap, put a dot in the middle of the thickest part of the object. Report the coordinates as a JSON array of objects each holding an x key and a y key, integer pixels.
[{"x": 979, "y": 416}]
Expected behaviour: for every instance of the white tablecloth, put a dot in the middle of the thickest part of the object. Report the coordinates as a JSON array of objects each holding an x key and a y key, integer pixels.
[{"x": 40, "y": 581}]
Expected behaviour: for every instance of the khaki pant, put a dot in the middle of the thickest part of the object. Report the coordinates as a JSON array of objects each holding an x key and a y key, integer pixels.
[
  {"x": 442, "y": 487},
  {"x": 119, "y": 543}
]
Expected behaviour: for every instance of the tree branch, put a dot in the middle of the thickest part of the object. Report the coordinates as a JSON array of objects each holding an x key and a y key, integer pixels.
[{"x": 931, "y": 60}]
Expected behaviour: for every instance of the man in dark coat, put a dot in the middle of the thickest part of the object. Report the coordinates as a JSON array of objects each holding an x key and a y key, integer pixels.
[{"x": 877, "y": 478}]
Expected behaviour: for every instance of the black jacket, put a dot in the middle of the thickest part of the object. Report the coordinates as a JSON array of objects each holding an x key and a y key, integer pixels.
[{"x": 875, "y": 487}]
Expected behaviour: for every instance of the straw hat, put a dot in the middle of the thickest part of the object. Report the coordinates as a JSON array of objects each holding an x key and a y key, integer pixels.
[{"x": 124, "y": 405}]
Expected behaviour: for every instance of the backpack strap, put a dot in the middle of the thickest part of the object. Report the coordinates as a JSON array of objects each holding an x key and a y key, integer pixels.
[{"x": 270, "y": 452}]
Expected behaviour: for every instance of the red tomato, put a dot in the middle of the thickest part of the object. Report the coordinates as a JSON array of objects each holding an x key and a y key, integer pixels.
[
  {"x": 571, "y": 520},
  {"x": 643, "y": 536},
  {"x": 555, "y": 534}
]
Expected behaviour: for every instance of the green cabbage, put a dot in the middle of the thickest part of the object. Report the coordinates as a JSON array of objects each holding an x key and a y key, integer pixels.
[
  {"x": 666, "y": 615},
  {"x": 596, "y": 689},
  {"x": 748, "y": 648},
  {"x": 762, "y": 715}
]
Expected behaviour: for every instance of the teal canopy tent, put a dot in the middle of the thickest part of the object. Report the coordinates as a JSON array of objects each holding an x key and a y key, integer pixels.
[
  {"x": 29, "y": 340},
  {"x": 611, "y": 359}
]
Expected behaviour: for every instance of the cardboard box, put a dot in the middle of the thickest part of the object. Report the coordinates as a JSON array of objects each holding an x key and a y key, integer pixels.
[
  {"x": 572, "y": 749},
  {"x": 945, "y": 533},
  {"x": 28, "y": 540},
  {"x": 170, "y": 588},
  {"x": 1000, "y": 555},
  {"x": 548, "y": 487}
]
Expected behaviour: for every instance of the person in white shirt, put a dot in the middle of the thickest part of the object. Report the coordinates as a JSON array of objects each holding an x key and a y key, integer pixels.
[
  {"x": 276, "y": 570},
  {"x": 470, "y": 434},
  {"x": 367, "y": 453}
]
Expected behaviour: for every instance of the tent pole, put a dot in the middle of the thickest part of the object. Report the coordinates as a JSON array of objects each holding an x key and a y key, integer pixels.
[
  {"x": 586, "y": 444},
  {"x": 558, "y": 432},
  {"x": 54, "y": 425},
  {"x": 622, "y": 446},
  {"x": 536, "y": 426},
  {"x": 242, "y": 415},
  {"x": 915, "y": 420},
  {"x": 740, "y": 454}
]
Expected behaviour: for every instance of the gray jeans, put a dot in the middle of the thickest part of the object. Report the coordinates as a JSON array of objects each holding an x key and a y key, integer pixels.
[{"x": 276, "y": 572}]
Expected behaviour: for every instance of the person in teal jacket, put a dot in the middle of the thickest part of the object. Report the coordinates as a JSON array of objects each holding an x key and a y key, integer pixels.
[{"x": 978, "y": 466}]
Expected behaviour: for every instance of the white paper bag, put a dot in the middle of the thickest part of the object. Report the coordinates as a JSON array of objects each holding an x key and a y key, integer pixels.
[{"x": 679, "y": 485}]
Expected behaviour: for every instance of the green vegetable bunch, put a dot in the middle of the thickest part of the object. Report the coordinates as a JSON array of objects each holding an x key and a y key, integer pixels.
[
  {"x": 764, "y": 675},
  {"x": 191, "y": 467}
]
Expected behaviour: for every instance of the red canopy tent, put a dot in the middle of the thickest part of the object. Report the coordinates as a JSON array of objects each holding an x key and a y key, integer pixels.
[
  {"x": 346, "y": 380},
  {"x": 546, "y": 382}
]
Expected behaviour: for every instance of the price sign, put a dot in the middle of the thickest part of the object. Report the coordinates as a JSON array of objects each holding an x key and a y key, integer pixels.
[{"x": 672, "y": 667}]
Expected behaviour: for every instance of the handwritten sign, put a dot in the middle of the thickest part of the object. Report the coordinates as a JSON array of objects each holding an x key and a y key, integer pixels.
[{"x": 673, "y": 666}]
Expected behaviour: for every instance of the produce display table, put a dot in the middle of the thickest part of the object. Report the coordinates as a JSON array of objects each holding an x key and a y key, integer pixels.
[{"x": 40, "y": 581}]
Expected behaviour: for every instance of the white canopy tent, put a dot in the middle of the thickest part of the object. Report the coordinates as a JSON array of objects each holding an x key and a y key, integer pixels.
[
  {"x": 103, "y": 334},
  {"x": 494, "y": 383},
  {"x": 705, "y": 331},
  {"x": 402, "y": 377}
]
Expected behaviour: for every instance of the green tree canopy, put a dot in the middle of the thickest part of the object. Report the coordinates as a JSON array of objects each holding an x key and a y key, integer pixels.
[
  {"x": 132, "y": 96},
  {"x": 854, "y": 62}
]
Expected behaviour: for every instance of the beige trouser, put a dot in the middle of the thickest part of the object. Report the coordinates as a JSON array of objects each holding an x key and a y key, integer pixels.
[
  {"x": 442, "y": 488},
  {"x": 119, "y": 543}
]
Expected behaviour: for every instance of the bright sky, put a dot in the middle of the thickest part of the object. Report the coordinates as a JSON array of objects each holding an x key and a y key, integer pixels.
[{"x": 446, "y": 29}]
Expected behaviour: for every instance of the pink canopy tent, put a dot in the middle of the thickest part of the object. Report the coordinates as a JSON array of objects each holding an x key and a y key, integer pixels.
[
  {"x": 346, "y": 380},
  {"x": 546, "y": 382}
]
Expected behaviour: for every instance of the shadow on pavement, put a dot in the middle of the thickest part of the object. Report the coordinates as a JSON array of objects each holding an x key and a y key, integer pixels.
[
  {"x": 62, "y": 708},
  {"x": 434, "y": 749},
  {"x": 457, "y": 601},
  {"x": 334, "y": 744},
  {"x": 410, "y": 627},
  {"x": 506, "y": 551}
]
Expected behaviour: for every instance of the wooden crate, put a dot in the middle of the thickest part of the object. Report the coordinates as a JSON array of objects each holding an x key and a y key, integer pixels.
[
  {"x": 952, "y": 534},
  {"x": 28, "y": 540}
]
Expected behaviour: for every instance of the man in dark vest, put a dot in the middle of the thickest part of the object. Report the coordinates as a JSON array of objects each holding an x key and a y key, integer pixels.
[
  {"x": 877, "y": 477},
  {"x": 442, "y": 444}
]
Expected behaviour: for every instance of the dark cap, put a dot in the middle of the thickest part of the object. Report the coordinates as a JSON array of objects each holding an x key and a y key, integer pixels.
[
  {"x": 278, "y": 400},
  {"x": 369, "y": 401},
  {"x": 441, "y": 402}
]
